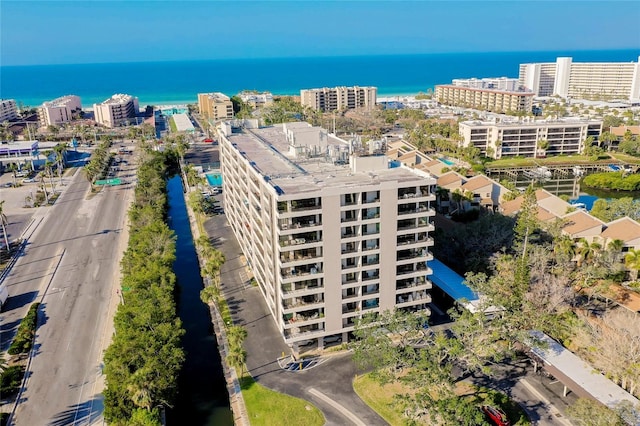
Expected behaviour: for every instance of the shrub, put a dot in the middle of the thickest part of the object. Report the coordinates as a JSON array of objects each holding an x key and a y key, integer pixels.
[
  {"x": 26, "y": 332},
  {"x": 10, "y": 380}
]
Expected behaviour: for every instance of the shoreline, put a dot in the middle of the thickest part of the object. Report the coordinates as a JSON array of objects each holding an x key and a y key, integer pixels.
[{"x": 165, "y": 103}]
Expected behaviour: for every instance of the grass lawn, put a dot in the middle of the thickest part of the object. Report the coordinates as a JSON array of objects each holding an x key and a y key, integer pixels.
[
  {"x": 380, "y": 399},
  {"x": 172, "y": 125},
  {"x": 626, "y": 157},
  {"x": 269, "y": 408},
  {"x": 560, "y": 160}
]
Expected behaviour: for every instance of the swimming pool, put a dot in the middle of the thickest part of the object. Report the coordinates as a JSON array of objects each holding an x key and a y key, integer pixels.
[
  {"x": 214, "y": 179},
  {"x": 447, "y": 162}
]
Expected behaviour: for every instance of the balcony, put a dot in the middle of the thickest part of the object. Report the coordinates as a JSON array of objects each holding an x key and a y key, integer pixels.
[{"x": 370, "y": 277}]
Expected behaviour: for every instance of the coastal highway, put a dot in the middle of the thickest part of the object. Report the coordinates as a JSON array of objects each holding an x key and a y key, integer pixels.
[{"x": 71, "y": 264}]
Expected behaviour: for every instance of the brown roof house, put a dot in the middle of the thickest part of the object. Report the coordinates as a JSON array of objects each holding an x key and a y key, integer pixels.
[
  {"x": 486, "y": 192},
  {"x": 625, "y": 229},
  {"x": 580, "y": 224},
  {"x": 544, "y": 199}
]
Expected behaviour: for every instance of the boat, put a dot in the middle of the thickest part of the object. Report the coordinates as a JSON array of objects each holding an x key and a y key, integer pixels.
[
  {"x": 538, "y": 173},
  {"x": 577, "y": 171},
  {"x": 579, "y": 206}
]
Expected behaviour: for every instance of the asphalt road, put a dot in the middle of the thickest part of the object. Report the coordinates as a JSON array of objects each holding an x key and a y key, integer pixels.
[{"x": 71, "y": 263}]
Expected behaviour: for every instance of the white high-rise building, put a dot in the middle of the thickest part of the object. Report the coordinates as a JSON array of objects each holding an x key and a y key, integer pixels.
[
  {"x": 59, "y": 110},
  {"x": 611, "y": 80},
  {"x": 116, "y": 111},
  {"x": 8, "y": 110},
  {"x": 330, "y": 231},
  {"x": 523, "y": 137}
]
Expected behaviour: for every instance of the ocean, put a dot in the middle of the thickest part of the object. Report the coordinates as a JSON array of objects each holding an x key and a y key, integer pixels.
[{"x": 156, "y": 83}]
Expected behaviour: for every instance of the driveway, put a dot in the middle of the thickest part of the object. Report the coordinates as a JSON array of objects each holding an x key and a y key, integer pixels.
[{"x": 327, "y": 385}]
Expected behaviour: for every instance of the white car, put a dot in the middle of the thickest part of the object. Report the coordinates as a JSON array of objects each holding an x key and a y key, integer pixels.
[{"x": 28, "y": 180}]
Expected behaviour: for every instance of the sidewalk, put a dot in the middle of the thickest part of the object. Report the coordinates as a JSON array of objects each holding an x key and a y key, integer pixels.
[{"x": 328, "y": 386}]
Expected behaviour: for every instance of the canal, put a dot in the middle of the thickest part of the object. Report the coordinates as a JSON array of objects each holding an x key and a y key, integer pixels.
[
  {"x": 570, "y": 186},
  {"x": 203, "y": 397}
]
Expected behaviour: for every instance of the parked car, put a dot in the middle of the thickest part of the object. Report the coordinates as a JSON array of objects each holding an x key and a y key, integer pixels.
[
  {"x": 8, "y": 185},
  {"x": 332, "y": 339},
  {"x": 496, "y": 415},
  {"x": 28, "y": 180}
]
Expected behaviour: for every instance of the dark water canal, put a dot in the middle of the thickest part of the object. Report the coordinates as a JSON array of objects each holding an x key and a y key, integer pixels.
[{"x": 203, "y": 397}]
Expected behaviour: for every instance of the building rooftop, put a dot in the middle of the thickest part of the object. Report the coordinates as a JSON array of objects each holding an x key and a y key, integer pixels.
[
  {"x": 564, "y": 121},
  {"x": 297, "y": 158},
  {"x": 625, "y": 229},
  {"x": 219, "y": 96},
  {"x": 61, "y": 101},
  {"x": 183, "y": 122},
  {"x": 474, "y": 89},
  {"x": 580, "y": 221},
  {"x": 449, "y": 178},
  {"x": 476, "y": 182},
  {"x": 118, "y": 98},
  {"x": 579, "y": 372}
]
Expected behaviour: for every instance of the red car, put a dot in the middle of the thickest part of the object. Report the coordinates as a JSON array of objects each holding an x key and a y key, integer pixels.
[
  {"x": 497, "y": 416},
  {"x": 208, "y": 141}
]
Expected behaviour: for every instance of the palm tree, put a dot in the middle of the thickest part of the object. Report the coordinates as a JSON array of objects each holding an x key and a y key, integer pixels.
[
  {"x": 44, "y": 188},
  {"x": 632, "y": 261},
  {"x": 5, "y": 133},
  {"x": 60, "y": 150},
  {"x": 587, "y": 252},
  {"x": 4, "y": 222},
  {"x": 13, "y": 168},
  {"x": 48, "y": 169}
]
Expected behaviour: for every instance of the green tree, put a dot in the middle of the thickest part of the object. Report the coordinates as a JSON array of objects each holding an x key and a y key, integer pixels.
[
  {"x": 632, "y": 261},
  {"x": 586, "y": 412}
]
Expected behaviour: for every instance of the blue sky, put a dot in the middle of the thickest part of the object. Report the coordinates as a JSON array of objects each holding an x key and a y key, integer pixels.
[{"x": 50, "y": 32}]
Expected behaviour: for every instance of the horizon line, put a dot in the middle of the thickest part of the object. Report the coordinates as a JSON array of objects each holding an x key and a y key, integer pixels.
[{"x": 229, "y": 59}]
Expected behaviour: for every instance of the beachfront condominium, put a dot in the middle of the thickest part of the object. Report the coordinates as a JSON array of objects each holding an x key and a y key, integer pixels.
[
  {"x": 8, "y": 110},
  {"x": 583, "y": 80},
  {"x": 118, "y": 110},
  {"x": 488, "y": 94},
  {"x": 256, "y": 99},
  {"x": 330, "y": 231},
  {"x": 60, "y": 110},
  {"x": 339, "y": 98},
  {"x": 215, "y": 106},
  {"x": 528, "y": 137}
]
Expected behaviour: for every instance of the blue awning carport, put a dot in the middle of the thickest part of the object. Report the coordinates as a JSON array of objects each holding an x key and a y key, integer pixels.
[{"x": 450, "y": 282}]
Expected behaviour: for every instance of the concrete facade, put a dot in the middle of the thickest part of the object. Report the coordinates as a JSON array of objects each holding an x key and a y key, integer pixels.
[
  {"x": 339, "y": 98},
  {"x": 329, "y": 230},
  {"x": 493, "y": 100},
  {"x": 521, "y": 138},
  {"x": 8, "y": 110},
  {"x": 215, "y": 106},
  {"x": 59, "y": 110},
  {"x": 615, "y": 80},
  {"x": 116, "y": 110}
]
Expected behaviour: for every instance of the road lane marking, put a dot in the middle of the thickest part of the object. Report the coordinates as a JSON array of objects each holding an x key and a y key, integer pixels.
[{"x": 348, "y": 414}]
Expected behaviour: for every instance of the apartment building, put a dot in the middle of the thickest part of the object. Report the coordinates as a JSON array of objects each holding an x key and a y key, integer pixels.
[
  {"x": 494, "y": 83},
  {"x": 524, "y": 137},
  {"x": 330, "y": 231},
  {"x": 339, "y": 98},
  {"x": 256, "y": 99},
  {"x": 8, "y": 110},
  {"x": 116, "y": 111},
  {"x": 60, "y": 110},
  {"x": 500, "y": 101},
  {"x": 215, "y": 106},
  {"x": 583, "y": 80}
]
